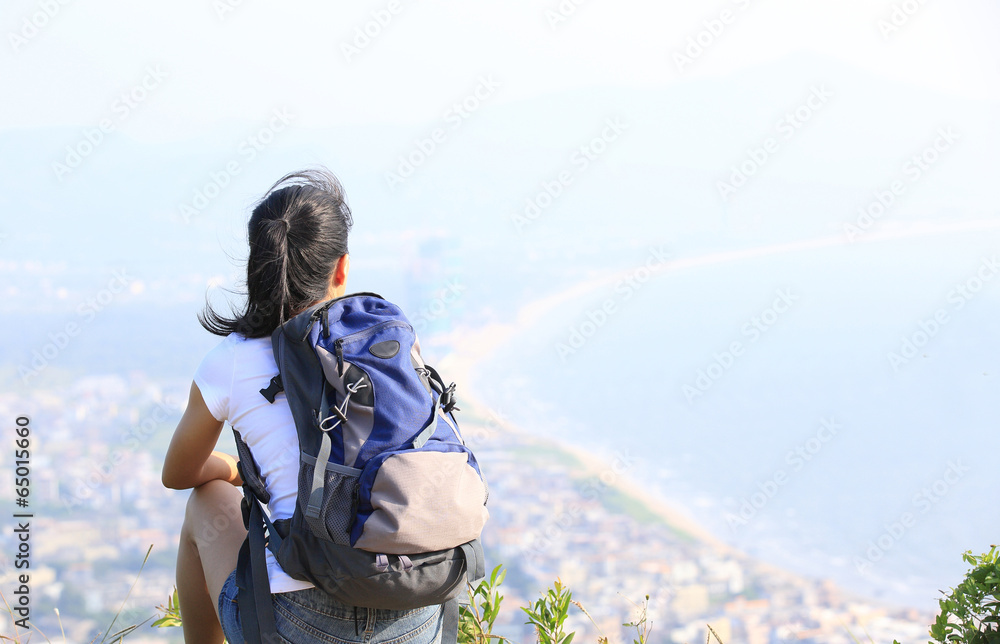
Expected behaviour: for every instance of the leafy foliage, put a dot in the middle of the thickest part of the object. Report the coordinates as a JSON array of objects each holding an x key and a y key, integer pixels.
[
  {"x": 970, "y": 614},
  {"x": 549, "y": 613},
  {"x": 476, "y": 620},
  {"x": 171, "y": 612}
]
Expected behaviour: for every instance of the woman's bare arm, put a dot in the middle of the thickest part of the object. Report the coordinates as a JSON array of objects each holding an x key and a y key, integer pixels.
[{"x": 190, "y": 460}]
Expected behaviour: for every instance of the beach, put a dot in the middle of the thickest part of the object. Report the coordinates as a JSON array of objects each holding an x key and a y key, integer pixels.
[{"x": 478, "y": 345}]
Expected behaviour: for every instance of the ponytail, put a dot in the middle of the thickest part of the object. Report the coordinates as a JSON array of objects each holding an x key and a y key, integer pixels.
[{"x": 296, "y": 234}]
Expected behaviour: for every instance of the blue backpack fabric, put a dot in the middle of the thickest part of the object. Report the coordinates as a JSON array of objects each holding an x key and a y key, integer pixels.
[{"x": 391, "y": 502}]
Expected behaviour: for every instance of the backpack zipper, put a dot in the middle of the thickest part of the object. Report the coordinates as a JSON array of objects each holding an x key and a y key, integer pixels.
[
  {"x": 338, "y": 344},
  {"x": 364, "y": 333},
  {"x": 338, "y": 350}
]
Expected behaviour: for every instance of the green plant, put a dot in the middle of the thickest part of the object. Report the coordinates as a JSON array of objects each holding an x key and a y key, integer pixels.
[
  {"x": 476, "y": 620},
  {"x": 549, "y": 613},
  {"x": 970, "y": 614},
  {"x": 641, "y": 624},
  {"x": 171, "y": 612}
]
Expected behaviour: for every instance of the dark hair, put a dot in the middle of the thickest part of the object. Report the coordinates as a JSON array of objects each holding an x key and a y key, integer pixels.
[{"x": 297, "y": 232}]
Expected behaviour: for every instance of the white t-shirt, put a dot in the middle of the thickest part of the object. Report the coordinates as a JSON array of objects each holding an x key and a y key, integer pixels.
[{"x": 230, "y": 379}]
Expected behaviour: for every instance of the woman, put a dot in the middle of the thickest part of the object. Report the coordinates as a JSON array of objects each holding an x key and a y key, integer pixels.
[{"x": 298, "y": 257}]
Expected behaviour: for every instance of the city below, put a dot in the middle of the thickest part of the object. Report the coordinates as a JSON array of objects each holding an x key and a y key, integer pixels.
[{"x": 98, "y": 506}]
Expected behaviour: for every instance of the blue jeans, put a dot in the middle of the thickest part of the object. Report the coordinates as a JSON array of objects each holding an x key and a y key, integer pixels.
[{"x": 312, "y": 617}]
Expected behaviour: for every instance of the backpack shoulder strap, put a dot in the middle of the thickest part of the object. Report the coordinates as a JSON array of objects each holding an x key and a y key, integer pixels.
[
  {"x": 475, "y": 569},
  {"x": 300, "y": 374},
  {"x": 248, "y": 469},
  {"x": 254, "y": 595}
]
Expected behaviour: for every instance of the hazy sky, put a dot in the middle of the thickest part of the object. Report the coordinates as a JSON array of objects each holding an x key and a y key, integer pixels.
[
  {"x": 226, "y": 62},
  {"x": 205, "y": 74}
]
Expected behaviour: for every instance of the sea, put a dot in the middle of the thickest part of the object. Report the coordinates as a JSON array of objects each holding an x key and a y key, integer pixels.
[{"x": 829, "y": 407}]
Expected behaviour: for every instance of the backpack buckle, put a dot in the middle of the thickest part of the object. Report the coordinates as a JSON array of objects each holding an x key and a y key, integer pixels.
[
  {"x": 448, "y": 399},
  {"x": 273, "y": 389}
]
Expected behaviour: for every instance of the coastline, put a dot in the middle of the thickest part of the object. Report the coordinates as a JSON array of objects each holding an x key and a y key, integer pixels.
[
  {"x": 480, "y": 344},
  {"x": 462, "y": 369},
  {"x": 592, "y": 467}
]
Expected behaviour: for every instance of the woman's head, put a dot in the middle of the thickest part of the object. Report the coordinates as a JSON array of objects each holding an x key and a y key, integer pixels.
[{"x": 297, "y": 236}]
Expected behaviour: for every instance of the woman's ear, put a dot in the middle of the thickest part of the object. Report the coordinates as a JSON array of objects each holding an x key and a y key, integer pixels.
[
  {"x": 343, "y": 268},
  {"x": 338, "y": 279}
]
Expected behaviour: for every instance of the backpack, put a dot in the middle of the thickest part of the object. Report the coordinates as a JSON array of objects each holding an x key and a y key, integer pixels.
[{"x": 391, "y": 502}]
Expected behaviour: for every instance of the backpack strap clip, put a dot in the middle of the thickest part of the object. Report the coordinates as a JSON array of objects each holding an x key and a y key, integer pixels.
[
  {"x": 446, "y": 393},
  {"x": 273, "y": 389},
  {"x": 448, "y": 399}
]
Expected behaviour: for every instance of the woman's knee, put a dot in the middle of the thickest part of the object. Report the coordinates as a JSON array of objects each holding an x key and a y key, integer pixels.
[{"x": 213, "y": 509}]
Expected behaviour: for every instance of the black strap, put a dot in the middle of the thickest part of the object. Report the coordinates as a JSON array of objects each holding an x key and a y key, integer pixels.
[
  {"x": 446, "y": 392},
  {"x": 449, "y": 629},
  {"x": 249, "y": 471},
  {"x": 254, "y": 596},
  {"x": 475, "y": 569},
  {"x": 475, "y": 560}
]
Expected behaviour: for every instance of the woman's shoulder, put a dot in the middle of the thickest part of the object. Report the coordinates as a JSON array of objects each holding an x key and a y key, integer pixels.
[
  {"x": 228, "y": 350},
  {"x": 224, "y": 347},
  {"x": 235, "y": 340},
  {"x": 234, "y": 346},
  {"x": 217, "y": 371}
]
